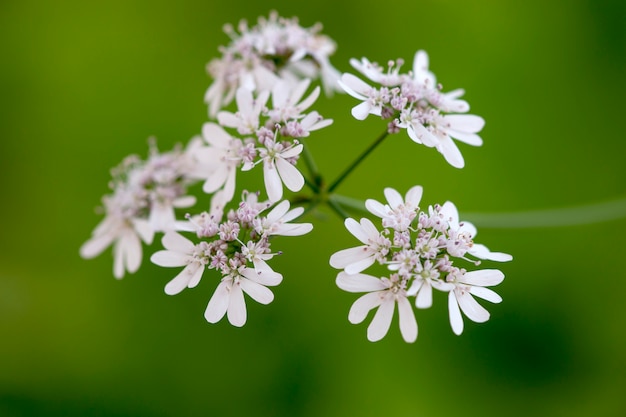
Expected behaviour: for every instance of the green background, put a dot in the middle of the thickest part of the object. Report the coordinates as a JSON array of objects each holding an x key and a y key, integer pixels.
[{"x": 83, "y": 84}]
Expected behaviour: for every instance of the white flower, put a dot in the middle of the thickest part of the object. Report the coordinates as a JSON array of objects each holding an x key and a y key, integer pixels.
[
  {"x": 228, "y": 297},
  {"x": 383, "y": 293},
  {"x": 463, "y": 233},
  {"x": 375, "y": 247},
  {"x": 276, "y": 223},
  {"x": 249, "y": 109},
  {"x": 278, "y": 170},
  {"x": 398, "y": 213},
  {"x": 373, "y": 99},
  {"x": 468, "y": 284},
  {"x": 180, "y": 251},
  {"x": 223, "y": 158}
]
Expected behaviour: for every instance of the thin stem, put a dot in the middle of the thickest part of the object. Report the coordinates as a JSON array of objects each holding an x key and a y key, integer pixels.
[
  {"x": 337, "y": 209},
  {"x": 308, "y": 159},
  {"x": 311, "y": 185},
  {"x": 349, "y": 202},
  {"x": 356, "y": 162}
]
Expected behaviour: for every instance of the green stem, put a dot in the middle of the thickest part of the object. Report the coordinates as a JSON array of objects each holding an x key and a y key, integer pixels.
[
  {"x": 356, "y": 162},
  {"x": 337, "y": 209},
  {"x": 349, "y": 202}
]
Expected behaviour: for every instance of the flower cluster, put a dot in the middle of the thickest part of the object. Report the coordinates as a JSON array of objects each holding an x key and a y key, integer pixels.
[
  {"x": 145, "y": 194},
  {"x": 418, "y": 250},
  {"x": 265, "y": 134},
  {"x": 237, "y": 247},
  {"x": 275, "y": 49},
  {"x": 415, "y": 102}
]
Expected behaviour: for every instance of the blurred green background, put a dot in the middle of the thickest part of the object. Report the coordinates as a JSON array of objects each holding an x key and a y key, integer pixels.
[{"x": 86, "y": 83}]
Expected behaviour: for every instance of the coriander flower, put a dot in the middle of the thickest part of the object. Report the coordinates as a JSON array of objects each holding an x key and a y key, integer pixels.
[
  {"x": 413, "y": 101},
  {"x": 383, "y": 293},
  {"x": 421, "y": 259}
]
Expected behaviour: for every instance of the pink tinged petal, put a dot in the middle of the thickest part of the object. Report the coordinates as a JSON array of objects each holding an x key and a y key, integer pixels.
[
  {"x": 450, "y": 152},
  {"x": 356, "y": 229},
  {"x": 214, "y": 135},
  {"x": 408, "y": 324},
  {"x": 293, "y": 214},
  {"x": 482, "y": 252},
  {"x": 363, "y": 305},
  {"x": 257, "y": 292},
  {"x": 456, "y": 320},
  {"x": 169, "y": 259},
  {"x": 94, "y": 246},
  {"x": 184, "y": 202},
  {"x": 415, "y": 287},
  {"x": 414, "y": 196},
  {"x": 359, "y": 283},
  {"x": 361, "y": 111},
  {"x": 379, "y": 326},
  {"x": 468, "y": 227},
  {"x": 280, "y": 94},
  {"x": 196, "y": 277},
  {"x": 486, "y": 294},
  {"x": 263, "y": 274},
  {"x": 178, "y": 243},
  {"x": 369, "y": 228},
  {"x": 218, "y": 304},
  {"x": 244, "y": 99},
  {"x": 162, "y": 217},
  {"x": 132, "y": 252},
  {"x": 229, "y": 186},
  {"x": 450, "y": 213},
  {"x": 279, "y": 211},
  {"x": 216, "y": 180},
  {"x": 308, "y": 102},
  {"x": 376, "y": 208},
  {"x": 442, "y": 286},
  {"x": 474, "y": 311},
  {"x": 293, "y": 229},
  {"x": 144, "y": 230},
  {"x": 393, "y": 198},
  {"x": 294, "y": 151},
  {"x": 483, "y": 277},
  {"x": 420, "y": 61},
  {"x": 236, "y": 312},
  {"x": 423, "y": 135},
  {"x": 469, "y": 138},
  {"x": 260, "y": 101},
  {"x": 355, "y": 85},
  {"x": 349, "y": 256},
  {"x": 118, "y": 260},
  {"x": 292, "y": 178},
  {"x": 467, "y": 123},
  {"x": 360, "y": 266},
  {"x": 273, "y": 185},
  {"x": 228, "y": 119},
  {"x": 410, "y": 130},
  {"x": 180, "y": 281},
  {"x": 424, "y": 297}
]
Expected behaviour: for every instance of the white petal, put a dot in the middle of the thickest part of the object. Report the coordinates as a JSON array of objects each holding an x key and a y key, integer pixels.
[
  {"x": 167, "y": 258},
  {"x": 293, "y": 229},
  {"x": 236, "y": 312},
  {"x": 293, "y": 151},
  {"x": 356, "y": 229},
  {"x": 423, "y": 135},
  {"x": 214, "y": 135},
  {"x": 132, "y": 252},
  {"x": 118, "y": 259},
  {"x": 349, "y": 256},
  {"x": 474, "y": 311},
  {"x": 483, "y": 277},
  {"x": 467, "y": 123},
  {"x": 363, "y": 305},
  {"x": 376, "y": 208},
  {"x": 469, "y": 138},
  {"x": 408, "y": 324},
  {"x": 196, "y": 277},
  {"x": 413, "y": 196},
  {"x": 264, "y": 276},
  {"x": 359, "y": 282},
  {"x": 292, "y": 178},
  {"x": 359, "y": 266},
  {"x": 486, "y": 294},
  {"x": 355, "y": 85},
  {"x": 218, "y": 304},
  {"x": 94, "y": 246},
  {"x": 180, "y": 281},
  {"x": 228, "y": 119},
  {"x": 362, "y": 110},
  {"x": 482, "y": 252},
  {"x": 393, "y": 198},
  {"x": 456, "y": 320},
  {"x": 424, "y": 297},
  {"x": 450, "y": 152},
  {"x": 257, "y": 292},
  {"x": 273, "y": 185},
  {"x": 176, "y": 242},
  {"x": 379, "y": 326}
]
